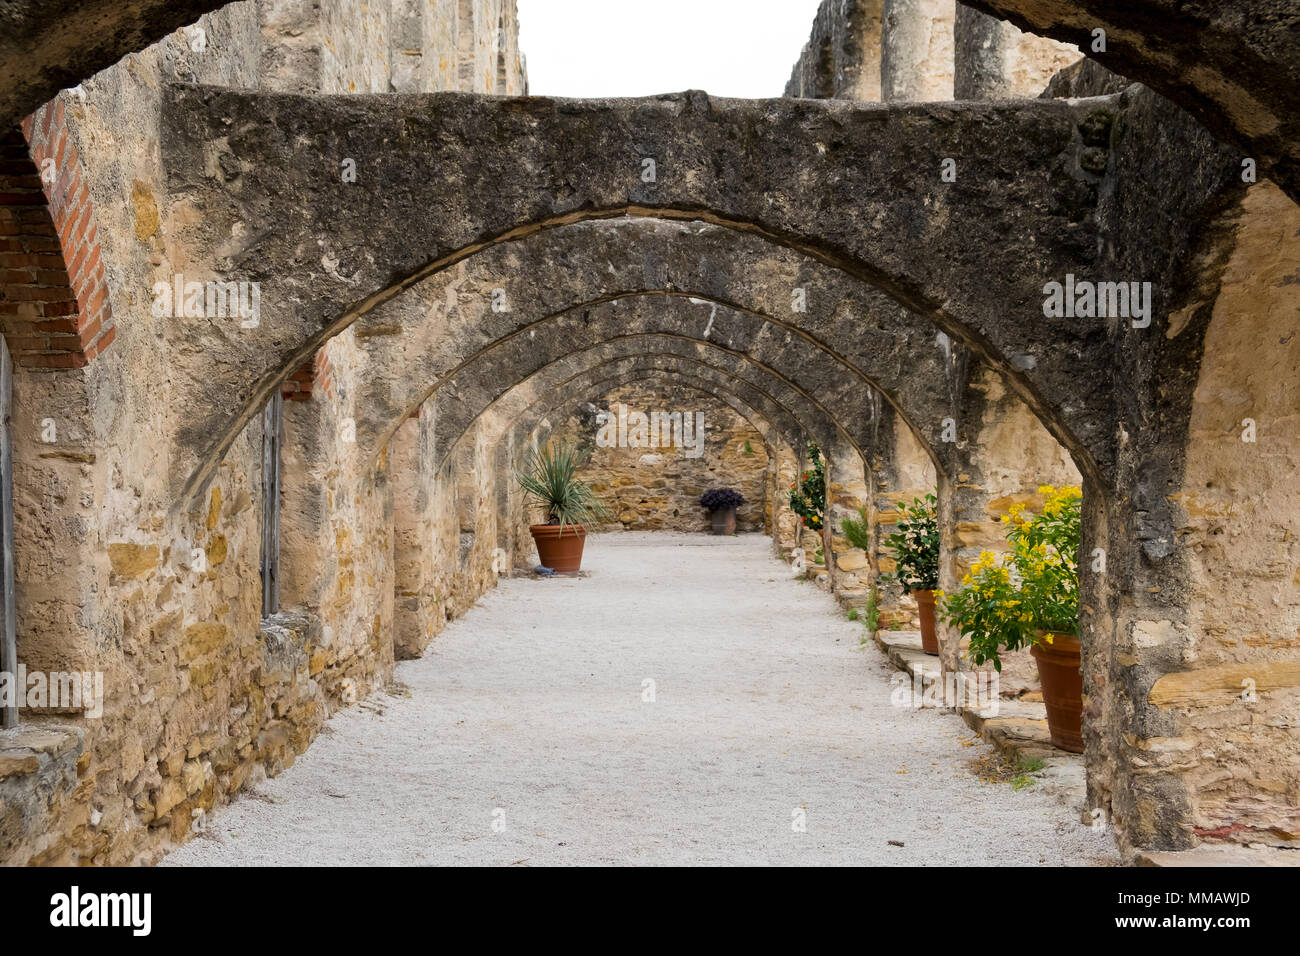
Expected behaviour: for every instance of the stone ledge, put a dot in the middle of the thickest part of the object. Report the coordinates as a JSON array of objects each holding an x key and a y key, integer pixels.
[
  {"x": 1219, "y": 856},
  {"x": 39, "y": 768},
  {"x": 26, "y": 748}
]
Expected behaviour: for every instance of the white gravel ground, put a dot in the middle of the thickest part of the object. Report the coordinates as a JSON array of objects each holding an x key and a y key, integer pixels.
[{"x": 524, "y": 739}]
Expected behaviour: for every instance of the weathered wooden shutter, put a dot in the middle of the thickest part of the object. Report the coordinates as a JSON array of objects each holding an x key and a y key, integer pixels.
[
  {"x": 272, "y": 430},
  {"x": 8, "y": 640}
]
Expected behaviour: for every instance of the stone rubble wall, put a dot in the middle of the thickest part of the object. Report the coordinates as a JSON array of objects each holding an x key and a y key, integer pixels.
[
  {"x": 658, "y": 489},
  {"x": 205, "y": 696}
]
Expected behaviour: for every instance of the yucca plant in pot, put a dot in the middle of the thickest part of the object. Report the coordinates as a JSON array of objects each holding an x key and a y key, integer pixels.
[{"x": 550, "y": 478}]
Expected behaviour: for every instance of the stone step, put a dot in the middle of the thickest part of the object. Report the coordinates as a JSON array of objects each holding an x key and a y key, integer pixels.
[
  {"x": 1016, "y": 727},
  {"x": 1219, "y": 855}
]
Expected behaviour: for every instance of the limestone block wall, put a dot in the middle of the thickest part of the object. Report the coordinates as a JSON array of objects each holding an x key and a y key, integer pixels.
[
  {"x": 658, "y": 488},
  {"x": 203, "y": 696},
  {"x": 1230, "y": 705},
  {"x": 450, "y": 520}
]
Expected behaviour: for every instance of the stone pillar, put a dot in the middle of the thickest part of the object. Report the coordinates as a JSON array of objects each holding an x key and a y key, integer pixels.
[
  {"x": 416, "y": 614},
  {"x": 784, "y": 467},
  {"x": 1191, "y": 645},
  {"x": 993, "y": 59},
  {"x": 307, "y": 555},
  {"x": 917, "y": 50},
  {"x": 1003, "y": 454},
  {"x": 508, "y": 528},
  {"x": 847, "y": 493},
  {"x": 901, "y": 471},
  {"x": 841, "y": 59}
]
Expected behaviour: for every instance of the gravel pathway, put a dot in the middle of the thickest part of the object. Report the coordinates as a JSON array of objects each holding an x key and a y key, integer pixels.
[{"x": 522, "y": 737}]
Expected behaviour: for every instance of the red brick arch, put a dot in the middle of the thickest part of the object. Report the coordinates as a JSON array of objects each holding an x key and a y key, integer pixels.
[
  {"x": 54, "y": 306},
  {"x": 312, "y": 377}
]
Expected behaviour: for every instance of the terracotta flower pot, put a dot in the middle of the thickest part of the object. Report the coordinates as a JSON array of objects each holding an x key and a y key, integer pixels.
[
  {"x": 559, "y": 551},
  {"x": 925, "y": 605},
  {"x": 724, "y": 520},
  {"x": 1059, "y": 671}
]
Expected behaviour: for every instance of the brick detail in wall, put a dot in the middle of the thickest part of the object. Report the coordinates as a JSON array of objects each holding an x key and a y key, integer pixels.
[
  {"x": 309, "y": 378},
  {"x": 54, "y": 308}
]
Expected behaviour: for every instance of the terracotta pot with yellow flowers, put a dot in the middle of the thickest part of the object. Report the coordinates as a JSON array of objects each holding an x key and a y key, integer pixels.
[{"x": 1029, "y": 597}]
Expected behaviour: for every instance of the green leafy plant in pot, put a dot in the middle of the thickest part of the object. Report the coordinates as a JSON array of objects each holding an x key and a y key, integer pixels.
[
  {"x": 915, "y": 546},
  {"x": 550, "y": 478},
  {"x": 1030, "y": 598},
  {"x": 808, "y": 494}
]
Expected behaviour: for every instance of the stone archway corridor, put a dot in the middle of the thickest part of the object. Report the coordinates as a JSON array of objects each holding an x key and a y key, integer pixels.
[
  {"x": 765, "y": 703},
  {"x": 965, "y": 330}
]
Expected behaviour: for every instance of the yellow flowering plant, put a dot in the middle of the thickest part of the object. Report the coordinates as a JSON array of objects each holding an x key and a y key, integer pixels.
[{"x": 1013, "y": 600}]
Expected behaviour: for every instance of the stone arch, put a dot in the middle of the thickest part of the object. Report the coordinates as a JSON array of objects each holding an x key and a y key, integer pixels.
[
  {"x": 745, "y": 381},
  {"x": 422, "y": 337},
  {"x": 420, "y": 615},
  {"x": 1229, "y": 65},
  {"x": 514, "y": 424},
  {"x": 841, "y": 398},
  {"x": 779, "y": 436},
  {"x": 455, "y": 414},
  {"x": 521, "y": 409},
  {"x": 54, "y": 307},
  {"x": 971, "y": 260}
]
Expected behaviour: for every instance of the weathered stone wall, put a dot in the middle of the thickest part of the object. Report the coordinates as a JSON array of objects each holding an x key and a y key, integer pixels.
[
  {"x": 994, "y": 60},
  {"x": 1233, "y": 691},
  {"x": 842, "y": 57},
  {"x": 204, "y": 696},
  {"x": 657, "y": 488},
  {"x": 900, "y": 50},
  {"x": 399, "y": 46}
]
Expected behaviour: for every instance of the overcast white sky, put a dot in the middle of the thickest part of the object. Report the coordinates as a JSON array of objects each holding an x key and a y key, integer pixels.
[{"x": 743, "y": 48}]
